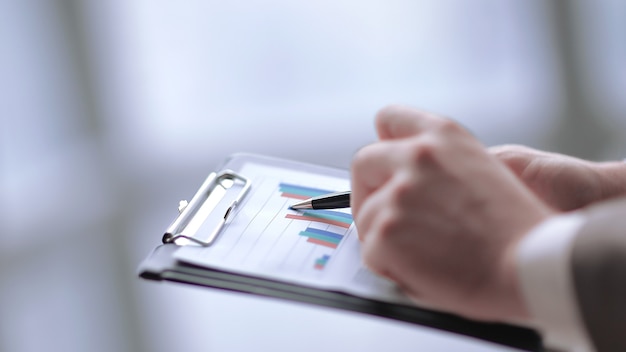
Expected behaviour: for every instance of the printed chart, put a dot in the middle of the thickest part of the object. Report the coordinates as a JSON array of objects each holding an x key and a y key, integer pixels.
[
  {"x": 315, "y": 235},
  {"x": 308, "y": 238}
]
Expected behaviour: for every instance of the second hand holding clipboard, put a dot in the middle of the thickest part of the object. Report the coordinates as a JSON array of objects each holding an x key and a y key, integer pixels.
[{"x": 242, "y": 236}]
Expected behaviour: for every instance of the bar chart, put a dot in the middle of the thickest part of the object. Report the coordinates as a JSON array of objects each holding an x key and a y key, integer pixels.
[
  {"x": 329, "y": 217},
  {"x": 328, "y": 237},
  {"x": 320, "y": 262}
]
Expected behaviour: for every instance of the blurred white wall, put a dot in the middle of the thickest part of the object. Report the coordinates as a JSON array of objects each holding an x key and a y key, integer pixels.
[
  {"x": 113, "y": 111},
  {"x": 212, "y": 76}
]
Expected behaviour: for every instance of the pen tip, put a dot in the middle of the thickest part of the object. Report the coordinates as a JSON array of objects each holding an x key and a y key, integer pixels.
[{"x": 301, "y": 205}]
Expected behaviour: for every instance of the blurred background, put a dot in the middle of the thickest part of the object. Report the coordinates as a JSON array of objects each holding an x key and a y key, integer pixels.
[{"x": 113, "y": 111}]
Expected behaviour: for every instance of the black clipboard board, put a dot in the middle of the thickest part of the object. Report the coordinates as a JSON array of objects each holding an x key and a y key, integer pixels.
[{"x": 162, "y": 264}]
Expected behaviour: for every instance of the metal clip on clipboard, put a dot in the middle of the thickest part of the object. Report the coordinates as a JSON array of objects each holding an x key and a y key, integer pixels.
[{"x": 215, "y": 185}]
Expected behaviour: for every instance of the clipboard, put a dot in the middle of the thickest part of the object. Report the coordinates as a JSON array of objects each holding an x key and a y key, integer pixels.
[{"x": 242, "y": 205}]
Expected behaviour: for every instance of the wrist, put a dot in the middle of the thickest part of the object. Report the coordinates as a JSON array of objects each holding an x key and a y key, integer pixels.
[{"x": 514, "y": 305}]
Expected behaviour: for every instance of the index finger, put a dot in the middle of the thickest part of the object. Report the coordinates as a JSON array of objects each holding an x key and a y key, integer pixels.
[{"x": 372, "y": 166}]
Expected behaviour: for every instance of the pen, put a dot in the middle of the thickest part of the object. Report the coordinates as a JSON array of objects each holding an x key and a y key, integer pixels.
[{"x": 326, "y": 201}]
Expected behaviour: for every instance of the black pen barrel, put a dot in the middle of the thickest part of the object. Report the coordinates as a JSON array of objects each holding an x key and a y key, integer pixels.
[{"x": 339, "y": 200}]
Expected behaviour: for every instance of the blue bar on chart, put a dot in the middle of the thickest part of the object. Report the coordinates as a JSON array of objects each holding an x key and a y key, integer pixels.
[
  {"x": 330, "y": 217},
  {"x": 322, "y": 237},
  {"x": 300, "y": 192},
  {"x": 320, "y": 263}
]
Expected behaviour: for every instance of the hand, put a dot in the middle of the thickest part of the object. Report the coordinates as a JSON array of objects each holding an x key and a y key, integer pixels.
[
  {"x": 564, "y": 182},
  {"x": 440, "y": 216}
]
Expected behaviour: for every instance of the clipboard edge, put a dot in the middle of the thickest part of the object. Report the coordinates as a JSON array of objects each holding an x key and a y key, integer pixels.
[{"x": 161, "y": 266}]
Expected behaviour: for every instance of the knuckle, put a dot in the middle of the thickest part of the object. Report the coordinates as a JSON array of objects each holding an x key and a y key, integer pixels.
[
  {"x": 403, "y": 192},
  {"x": 422, "y": 151},
  {"x": 448, "y": 126},
  {"x": 388, "y": 111}
]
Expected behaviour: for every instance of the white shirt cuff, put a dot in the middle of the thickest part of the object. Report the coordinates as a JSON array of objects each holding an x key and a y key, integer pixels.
[{"x": 543, "y": 258}]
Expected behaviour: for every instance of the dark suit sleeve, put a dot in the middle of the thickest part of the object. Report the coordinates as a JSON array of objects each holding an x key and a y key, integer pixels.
[{"x": 599, "y": 275}]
